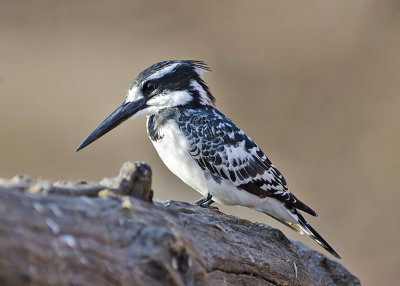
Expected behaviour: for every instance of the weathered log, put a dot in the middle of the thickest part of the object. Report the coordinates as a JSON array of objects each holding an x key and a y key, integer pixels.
[{"x": 111, "y": 233}]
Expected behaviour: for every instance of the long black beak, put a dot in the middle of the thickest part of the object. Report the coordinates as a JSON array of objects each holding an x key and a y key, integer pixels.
[{"x": 122, "y": 113}]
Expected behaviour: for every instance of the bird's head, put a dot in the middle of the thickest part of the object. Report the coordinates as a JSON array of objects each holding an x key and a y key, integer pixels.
[{"x": 163, "y": 85}]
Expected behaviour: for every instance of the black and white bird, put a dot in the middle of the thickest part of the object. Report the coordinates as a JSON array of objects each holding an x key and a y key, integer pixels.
[{"x": 203, "y": 147}]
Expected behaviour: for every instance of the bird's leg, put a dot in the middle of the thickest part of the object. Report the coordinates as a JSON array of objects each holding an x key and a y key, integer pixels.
[{"x": 205, "y": 202}]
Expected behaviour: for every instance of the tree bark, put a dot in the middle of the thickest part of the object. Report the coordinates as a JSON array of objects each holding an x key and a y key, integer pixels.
[{"x": 111, "y": 233}]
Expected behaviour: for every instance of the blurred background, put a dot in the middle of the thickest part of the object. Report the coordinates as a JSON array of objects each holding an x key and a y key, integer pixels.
[{"x": 315, "y": 83}]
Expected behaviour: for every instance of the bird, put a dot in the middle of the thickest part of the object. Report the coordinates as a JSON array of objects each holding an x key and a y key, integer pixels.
[{"x": 203, "y": 147}]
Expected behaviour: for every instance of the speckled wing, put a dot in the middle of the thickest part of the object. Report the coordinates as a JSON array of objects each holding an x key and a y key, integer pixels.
[{"x": 220, "y": 147}]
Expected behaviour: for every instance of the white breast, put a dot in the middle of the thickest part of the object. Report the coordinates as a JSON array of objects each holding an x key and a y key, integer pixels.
[{"x": 173, "y": 150}]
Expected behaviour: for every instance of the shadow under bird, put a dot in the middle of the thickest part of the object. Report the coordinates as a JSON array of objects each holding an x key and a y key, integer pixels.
[{"x": 203, "y": 147}]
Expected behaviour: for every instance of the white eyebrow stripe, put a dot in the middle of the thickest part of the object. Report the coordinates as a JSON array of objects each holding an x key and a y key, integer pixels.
[
  {"x": 133, "y": 94},
  {"x": 204, "y": 99},
  {"x": 162, "y": 72}
]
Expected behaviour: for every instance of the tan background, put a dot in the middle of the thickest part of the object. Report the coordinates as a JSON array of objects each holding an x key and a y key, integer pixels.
[{"x": 315, "y": 83}]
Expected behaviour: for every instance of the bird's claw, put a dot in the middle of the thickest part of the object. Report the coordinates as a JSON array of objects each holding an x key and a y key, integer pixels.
[{"x": 205, "y": 202}]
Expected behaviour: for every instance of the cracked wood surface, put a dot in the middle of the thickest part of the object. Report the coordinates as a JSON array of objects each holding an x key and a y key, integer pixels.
[{"x": 111, "y": 233}]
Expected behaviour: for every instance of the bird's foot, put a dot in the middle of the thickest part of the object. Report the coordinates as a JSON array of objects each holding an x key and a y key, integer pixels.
[{"x": 205, "y": 202}]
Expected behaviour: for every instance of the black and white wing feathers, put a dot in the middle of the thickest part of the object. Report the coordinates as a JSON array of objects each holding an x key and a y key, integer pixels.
[{"x": 220, "y": 147}]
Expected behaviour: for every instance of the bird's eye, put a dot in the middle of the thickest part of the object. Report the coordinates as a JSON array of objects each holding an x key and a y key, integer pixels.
[{"x": 149, "y": 86}]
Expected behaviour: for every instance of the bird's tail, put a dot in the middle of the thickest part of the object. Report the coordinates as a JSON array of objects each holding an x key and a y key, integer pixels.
[
  {"x": 303, "y": 224},
  {"x": 304, "y": 228}
]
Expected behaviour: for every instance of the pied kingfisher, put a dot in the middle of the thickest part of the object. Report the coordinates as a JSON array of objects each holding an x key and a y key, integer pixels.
[{"x": 203, "y": 147}]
